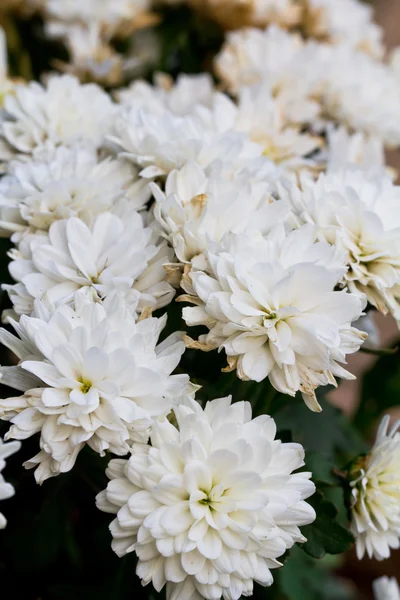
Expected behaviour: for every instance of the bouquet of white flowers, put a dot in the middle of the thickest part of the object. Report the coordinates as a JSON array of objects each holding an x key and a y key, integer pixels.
[{"x": 199, "y": 228}]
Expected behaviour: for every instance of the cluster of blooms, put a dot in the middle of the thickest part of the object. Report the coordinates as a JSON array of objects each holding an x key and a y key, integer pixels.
[{"x": 270, "y": 208}]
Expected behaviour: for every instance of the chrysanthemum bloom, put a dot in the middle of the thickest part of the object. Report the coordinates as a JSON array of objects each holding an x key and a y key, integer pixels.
[
  {"x": 113, "y": 254},
  {"x": 62, "y": 112},
  {"x": 348, "y": 97},
  {"x": 347, "y": 22},
  {"x": 90, "y": 376},
  {"x": 198, "y": 208},
  {"x": 313, "y": 79},
  {"x": 268, "y": 122},
  {"x": 353, "y": 150},
  {"x": 212, "y": 504},
  {"x": 376, "y": 495},
  {"x": 235, "y": 14},
  {"x": 160, "y": 141},
  {"x": 178, "y": 96},
  {"x": 6, "y": 489},
  {"x": 250, "y": 56},
  {"x": 358, "y": 212},
  {"x": 386, "y": 589},
  {"x": 112, "y": 16},
  {"x": 270, "y": 304},
  {"x": 63, "y": 182}
]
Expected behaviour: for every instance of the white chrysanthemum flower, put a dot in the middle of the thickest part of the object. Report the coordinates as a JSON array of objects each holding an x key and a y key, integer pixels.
[
  {"x": 162, "y": 141},
  {"x": 361, "y": 93},
  {"x": 258, "y": 115},
  {"x": 273, "y": 58},
  {"x": 344, "y": 22},
  {"x": 312, "y": 79},
  {"x": 63, "y": 182},
  {"x": 270, "y": 304},
  {"x": 91, "y": 58},
  {"x": 178, "y": 97},
  {"x": 111, "y": 15},
  {"x": 6, "y": 489},
  {"x": 262, "y": 117},
  {"x": 357, "y": 149},
  {"x": 212, "y": 504},
  {"x": 234, "y": 14},
  {"x": 376, "y": 495},
  {"x": 90, "y": 376},
  {"x": 360, "y": 213},
  {"x": 62, "y": 112},
  {"x": 386, "y": 589},
  {"x": 197, "y": 208},
  {"x": 251, "y": 55},
  {"x": 112, "y": 254}
]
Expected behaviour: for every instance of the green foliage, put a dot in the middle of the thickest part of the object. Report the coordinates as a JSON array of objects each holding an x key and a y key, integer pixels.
[
  {"x": 326, "y": 534},
  {"x": 303, "y": 578},
  {"x": 327, "y": 433},
  {"x": 188, "y": 43},
  {"x": 380, "y": 391}
]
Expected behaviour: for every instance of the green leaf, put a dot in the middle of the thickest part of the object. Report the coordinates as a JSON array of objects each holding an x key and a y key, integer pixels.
[
  {"x": 303, "y": 578},
  {"x": 380, "y": 391},
  {"x": 325, "y": 534},
  {"x": 326, "y": 433},
  {"x": 321, "y": 468}
]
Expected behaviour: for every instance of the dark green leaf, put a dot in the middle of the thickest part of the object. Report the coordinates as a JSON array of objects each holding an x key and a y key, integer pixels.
[
  {"x": 325, "y": 433},
  {"x": 303, "y": 578},
  {"x": 380, "y": 391},
  {"x": 325, "y": 534}
]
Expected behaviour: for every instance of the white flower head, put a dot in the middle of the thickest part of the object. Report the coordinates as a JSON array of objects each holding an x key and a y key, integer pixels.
[
  {"x": 112, "y": 254},
  {"x": 91, "y": 57},
  {"x": 57, "y": 183},
  {"x": 346, "y": 150},
  {"x": 110, "y": 15},
  {"x": 359, "y": 92},
  {"x": 199, "y": 208},
  {"x": 212, "y": 504},
  {"x": 6, "y": 489},
  {"x": 376, "y": 495},
  {"x": 264, "y": 119},
  {"x": 62, "y": 112},
  {"x": 360, "y": 213},
  {"x": 90, "y": 376},
  {"x": 178, "y": 97},
  {"x": 386, "y": 589},
  {"x": 315, "y": 82},
  {"x": 235, "y": 14},
  {"x": 270, "y": 304},
  {"x": 251, "y": 55},
  {"x": 344, "y": 22},
  {"x": 162, "y": 141}
]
